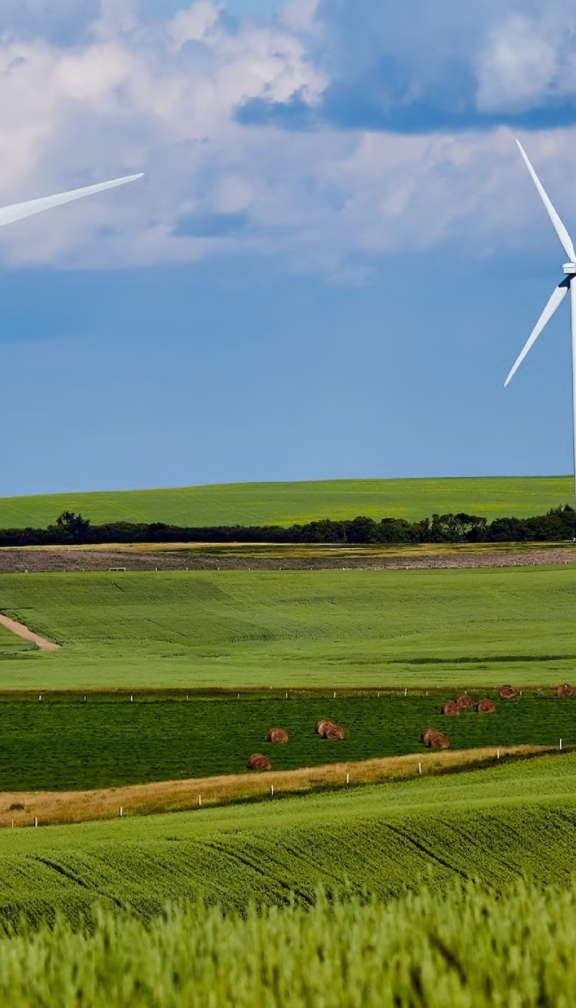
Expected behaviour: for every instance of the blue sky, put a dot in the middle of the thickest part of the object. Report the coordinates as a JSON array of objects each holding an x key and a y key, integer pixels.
[{"x": 332, "y": 262}]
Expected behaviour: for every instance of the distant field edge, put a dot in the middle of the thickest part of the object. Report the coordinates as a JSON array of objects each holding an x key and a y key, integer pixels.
[
  {"x": 285, "y": 503},
  {"x": 49, "y": 808}
]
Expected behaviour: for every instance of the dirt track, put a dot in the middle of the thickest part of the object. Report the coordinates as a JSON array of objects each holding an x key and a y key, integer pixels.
[
  {"x": 258, "y": 558},
  {"x": 23, "y": 631}
]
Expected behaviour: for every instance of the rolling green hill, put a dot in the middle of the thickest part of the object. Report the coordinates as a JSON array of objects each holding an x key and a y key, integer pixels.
[
  {"x": 295, "y": 628},
  {"x": 287, "y": 503},
  {"x": 496, "y": 824}
]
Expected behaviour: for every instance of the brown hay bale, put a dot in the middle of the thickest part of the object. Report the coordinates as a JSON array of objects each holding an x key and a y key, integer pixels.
[
  {"x": 425, "y": 736},
  {"x": 565, "y": 690},
  {"x": 321, "y": 726},
  {"x": 334, "y": 733},
  {"x": 464, "y": 701},
  {"x": 438, "y": 741},
  {"x": 277, "y": 735},
  {"x": 486, "y": 707},
  {"x": 259, "y": 762},
  {"x": 451, "y": 709},
  {"x": 507, "y": 693}
]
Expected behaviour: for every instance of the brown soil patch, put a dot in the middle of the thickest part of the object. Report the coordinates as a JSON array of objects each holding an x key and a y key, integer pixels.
[{"x": 274, "y": 556}]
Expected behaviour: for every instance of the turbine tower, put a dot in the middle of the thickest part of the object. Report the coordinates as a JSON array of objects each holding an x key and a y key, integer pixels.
[
  {"x": 17, "y": 211},
  {"x": 558, "y": 296}
]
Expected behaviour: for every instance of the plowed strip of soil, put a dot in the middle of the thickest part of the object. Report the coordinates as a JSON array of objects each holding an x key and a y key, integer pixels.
[
  {"x": 23, "y": 631},
  {"x": 193, "y": 556}
]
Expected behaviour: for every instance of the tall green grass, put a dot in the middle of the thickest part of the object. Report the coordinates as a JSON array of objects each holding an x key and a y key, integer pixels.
[
  {"x": 286, "y": 503},
  {"x": 295, "y": 628},
  {"x": 469, "y": 949}
]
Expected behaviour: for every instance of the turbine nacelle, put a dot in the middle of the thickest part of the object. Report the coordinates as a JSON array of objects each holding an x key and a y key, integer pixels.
[{"x": 569, "y": 269}]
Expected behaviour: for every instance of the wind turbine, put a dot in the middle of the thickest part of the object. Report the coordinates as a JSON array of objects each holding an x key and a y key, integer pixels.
[
  {"x": 558, "y": 296},
  {"x": 17, "y": 211}
]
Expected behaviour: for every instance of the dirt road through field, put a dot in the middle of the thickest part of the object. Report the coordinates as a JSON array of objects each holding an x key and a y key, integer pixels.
[{"x": 23, "y": 631}]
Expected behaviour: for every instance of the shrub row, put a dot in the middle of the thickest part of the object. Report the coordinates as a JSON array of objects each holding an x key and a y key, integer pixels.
[{"x": 557, "y": 525}]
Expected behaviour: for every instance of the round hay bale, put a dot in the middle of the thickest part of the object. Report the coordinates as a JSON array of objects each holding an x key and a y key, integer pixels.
[
  {"x": 486, "y": 707},
  {"x": 425, "y": 736},
  {"x": 334, "y": 733},
  {"x": 451, "y": 709},
  {"x": 464, "y": 701},
  {"x": 438, "y": 740},
  {"x": 277, "y": 735},
  {"x": 565, "y": 690},
  {"x": 259, "y": 762},
  {"x": 321, "y": 726},
  {"x": 507, "y": 693}
]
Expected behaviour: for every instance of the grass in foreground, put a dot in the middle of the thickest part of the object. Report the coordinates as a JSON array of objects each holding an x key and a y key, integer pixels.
[
  {"x": 470, "y": 949},
  {"x": 286, "y": 503},
  {"x": 56, "y": 744},
  {"x": 498, "y": 825},
  {"x": 295, "y": 628}
]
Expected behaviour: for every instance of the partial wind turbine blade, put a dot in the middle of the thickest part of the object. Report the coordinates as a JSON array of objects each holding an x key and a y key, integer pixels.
[
  {"x": 554, "y": 302},
  {"x": 17, "y": 211},
  {"x": 565, "y": 239}
]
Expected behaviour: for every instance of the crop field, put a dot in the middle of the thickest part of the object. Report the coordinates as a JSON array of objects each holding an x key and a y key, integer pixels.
[
  {"x": 288, "y": 503},
  {"x": 499, "y": 824},
  {"x": 420, "y": 950},
  {"x": 454, "y": 628},
  {"x": 57, "y": 744}
]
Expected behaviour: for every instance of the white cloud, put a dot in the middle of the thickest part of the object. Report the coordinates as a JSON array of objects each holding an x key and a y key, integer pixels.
[
  {"x": 528, "y": 61},
  {"x": 162, "y": 97}
]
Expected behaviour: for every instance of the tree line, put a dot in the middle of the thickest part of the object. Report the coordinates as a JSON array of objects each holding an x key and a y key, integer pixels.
[{"x": 558, "y": 524}]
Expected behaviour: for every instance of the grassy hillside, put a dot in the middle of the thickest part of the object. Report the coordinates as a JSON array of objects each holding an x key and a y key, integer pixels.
[
  {"x": 496, "y": 824},
  {"x": 295, "y": 628},
  {"x": 285, "y": 503},
  {"x": 56, "y": 744}
]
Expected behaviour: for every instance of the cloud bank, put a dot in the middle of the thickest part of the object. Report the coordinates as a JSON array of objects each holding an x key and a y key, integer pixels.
[{"x": 325, "y": 135}]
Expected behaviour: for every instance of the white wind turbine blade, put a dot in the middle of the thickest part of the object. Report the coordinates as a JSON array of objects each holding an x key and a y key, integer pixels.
[
  {"x": 554, "y": 302},
  {"x": 17, "y": 211},
  {"x": 565, "y": 239}
]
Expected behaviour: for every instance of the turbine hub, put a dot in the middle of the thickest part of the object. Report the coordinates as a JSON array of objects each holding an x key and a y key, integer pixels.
[{"x": 569, "y": 269}]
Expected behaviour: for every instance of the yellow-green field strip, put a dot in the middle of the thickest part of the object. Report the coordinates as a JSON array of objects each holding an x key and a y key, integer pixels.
[{"x": 56, "y": 808}]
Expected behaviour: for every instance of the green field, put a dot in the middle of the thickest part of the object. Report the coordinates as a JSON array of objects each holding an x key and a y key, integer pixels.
[
  {"x": 295, "y": 628},
  {"x": 287, "y": 503},
  {"x": 516, "y": 819},
  {"x": 56, "y": 744},
  {"x": 471, "y": 949}
]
